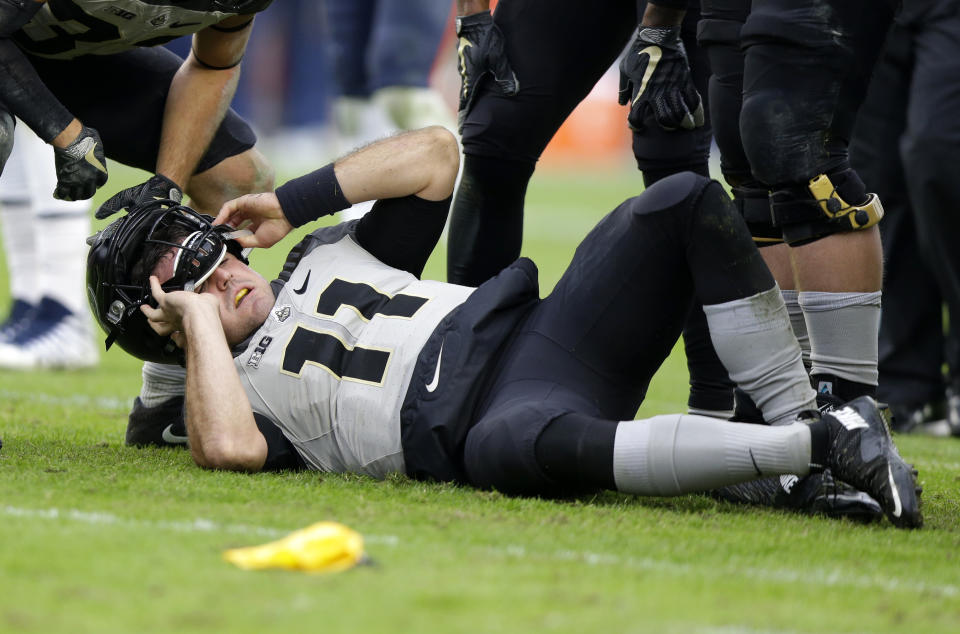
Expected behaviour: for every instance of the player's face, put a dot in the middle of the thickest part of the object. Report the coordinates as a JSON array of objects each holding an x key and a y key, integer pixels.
[{"x": 245, "y": 298}]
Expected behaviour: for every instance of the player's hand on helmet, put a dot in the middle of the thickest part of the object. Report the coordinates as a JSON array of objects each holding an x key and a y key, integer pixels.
[
  {"x": 655, "y": 80},
  {"x": 261, "y": 214},
  {"x": 167, "y": 317},
  {"x": 159, "y": 187},
  {"x": 480, "y": 50},
  {"x": 81, "y": 166}
]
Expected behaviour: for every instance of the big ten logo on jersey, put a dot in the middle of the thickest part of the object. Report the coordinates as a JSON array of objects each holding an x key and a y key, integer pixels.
[
  {"x": 258, "y": 351},
  {"x": 120, "y": 12}
]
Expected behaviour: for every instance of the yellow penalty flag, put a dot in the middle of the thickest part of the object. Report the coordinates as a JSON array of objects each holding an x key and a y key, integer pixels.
[{"x": 321, "y": 547}]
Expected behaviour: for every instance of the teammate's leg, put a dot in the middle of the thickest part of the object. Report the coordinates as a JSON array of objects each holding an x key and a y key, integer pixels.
[
  {"x": 47, "y": 249},
  {"x": 403, "y": 47},
  {"x": 805, "y": 74},
  {"x": 930, "y": 146},
  {"x": 357, "y": 119},
  {"x": 660, "y": 153},
  {"x": 911, "y": 341},
  {"x": 19, "y": 238},
  {"x": 558, "y": 51}
]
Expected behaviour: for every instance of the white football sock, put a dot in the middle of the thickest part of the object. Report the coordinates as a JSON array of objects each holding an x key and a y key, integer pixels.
[
  {"x": 799, "y": 323},
  {"x": 63, "y": 256},
  {"x": 20, "y": 248},
  {"x": 677, "y": 453},
  {"x": 843, "y": 331},
  {"x": 161, "y": 382},
  {"x": 755, "y": 342}
]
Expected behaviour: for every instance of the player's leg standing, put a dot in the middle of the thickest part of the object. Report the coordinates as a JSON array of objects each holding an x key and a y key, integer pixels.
[
  {"x": 931, "y": 149},
  {"x": 558, "y": 51},
  {"x": 804, "y": 76}
]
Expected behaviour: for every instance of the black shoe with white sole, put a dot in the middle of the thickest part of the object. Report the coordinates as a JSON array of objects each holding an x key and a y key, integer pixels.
[
  {"x": 861, "y": 453},
  {"x": 159, "y": 426},
  {"x": 812, "y": 494}
]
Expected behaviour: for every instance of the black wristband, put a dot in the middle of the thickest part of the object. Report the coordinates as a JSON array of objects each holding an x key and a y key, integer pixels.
[{"x": 311, "y": 196}]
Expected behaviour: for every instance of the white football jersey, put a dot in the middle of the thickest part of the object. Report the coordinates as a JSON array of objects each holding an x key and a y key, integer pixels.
[
  {"x": 63, "y": 29},
  {"x": 332, "y": 363}
]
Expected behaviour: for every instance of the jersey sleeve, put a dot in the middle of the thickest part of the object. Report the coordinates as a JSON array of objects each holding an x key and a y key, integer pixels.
[
  {"x": 280, "y": 452},
  {"x": 402, "y": 232}
]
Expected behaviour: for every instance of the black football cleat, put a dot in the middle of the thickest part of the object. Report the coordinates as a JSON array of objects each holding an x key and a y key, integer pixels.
[
  {"x": 862, "y": 454},
  {"x": 158, "y": 426},
  {"x": 813, "y": 494}
]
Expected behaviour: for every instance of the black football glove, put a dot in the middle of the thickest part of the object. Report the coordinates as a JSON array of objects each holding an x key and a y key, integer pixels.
[
  {"x": 81, "y": 166},
  {"x": 655, "y": 79},
  {"x": 480, "y": 50},
  {"x": 157, "y": 188}
]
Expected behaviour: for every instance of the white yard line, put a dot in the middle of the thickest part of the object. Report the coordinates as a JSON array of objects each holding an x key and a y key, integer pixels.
[
  {"x": 822, "y": 577},
  {"x": 197, "y": 525},
  {"x": 77, "y": 400},
  {"x": 834, "y": 578}
]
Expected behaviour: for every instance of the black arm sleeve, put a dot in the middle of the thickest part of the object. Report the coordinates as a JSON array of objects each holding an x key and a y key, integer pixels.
[
  {"x": 25, "y": 95},
  {"x": 402, "y": 232},
  {"x": 281, "y": 454}
]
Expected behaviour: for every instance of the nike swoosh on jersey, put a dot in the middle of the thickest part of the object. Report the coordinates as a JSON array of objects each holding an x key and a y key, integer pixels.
[
  {"x": 654, "y": 53},
  {"x": 303, "y": 287},
  {"x": 432, "y": 385},
  {"x": 172, "y": 438}
]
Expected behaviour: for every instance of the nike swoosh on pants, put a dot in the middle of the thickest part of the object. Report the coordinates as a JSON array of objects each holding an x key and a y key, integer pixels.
[{"x": 432, "y": 385}]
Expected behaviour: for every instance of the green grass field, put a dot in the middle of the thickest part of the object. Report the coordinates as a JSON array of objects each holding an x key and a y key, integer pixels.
[{"x": 99, "y": 537}]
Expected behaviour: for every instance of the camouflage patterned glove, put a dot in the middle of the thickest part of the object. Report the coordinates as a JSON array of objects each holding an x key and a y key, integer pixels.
[
  {"x": 81, "y": 166},
  {"x": 655, "y": 79}
]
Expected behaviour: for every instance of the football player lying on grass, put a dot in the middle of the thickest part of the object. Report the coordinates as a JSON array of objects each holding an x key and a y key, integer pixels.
[{"x": 349, "y": 362}]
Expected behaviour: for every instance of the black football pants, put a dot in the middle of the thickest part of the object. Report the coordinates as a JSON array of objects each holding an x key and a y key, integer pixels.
[{"x": 593, "y": 344}]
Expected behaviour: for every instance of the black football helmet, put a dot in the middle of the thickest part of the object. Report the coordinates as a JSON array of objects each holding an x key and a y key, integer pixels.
[{"x": 115, "y": 297}]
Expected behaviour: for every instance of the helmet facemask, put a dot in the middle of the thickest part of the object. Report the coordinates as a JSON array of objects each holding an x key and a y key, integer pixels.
[{"x": 124, "y": 255}]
